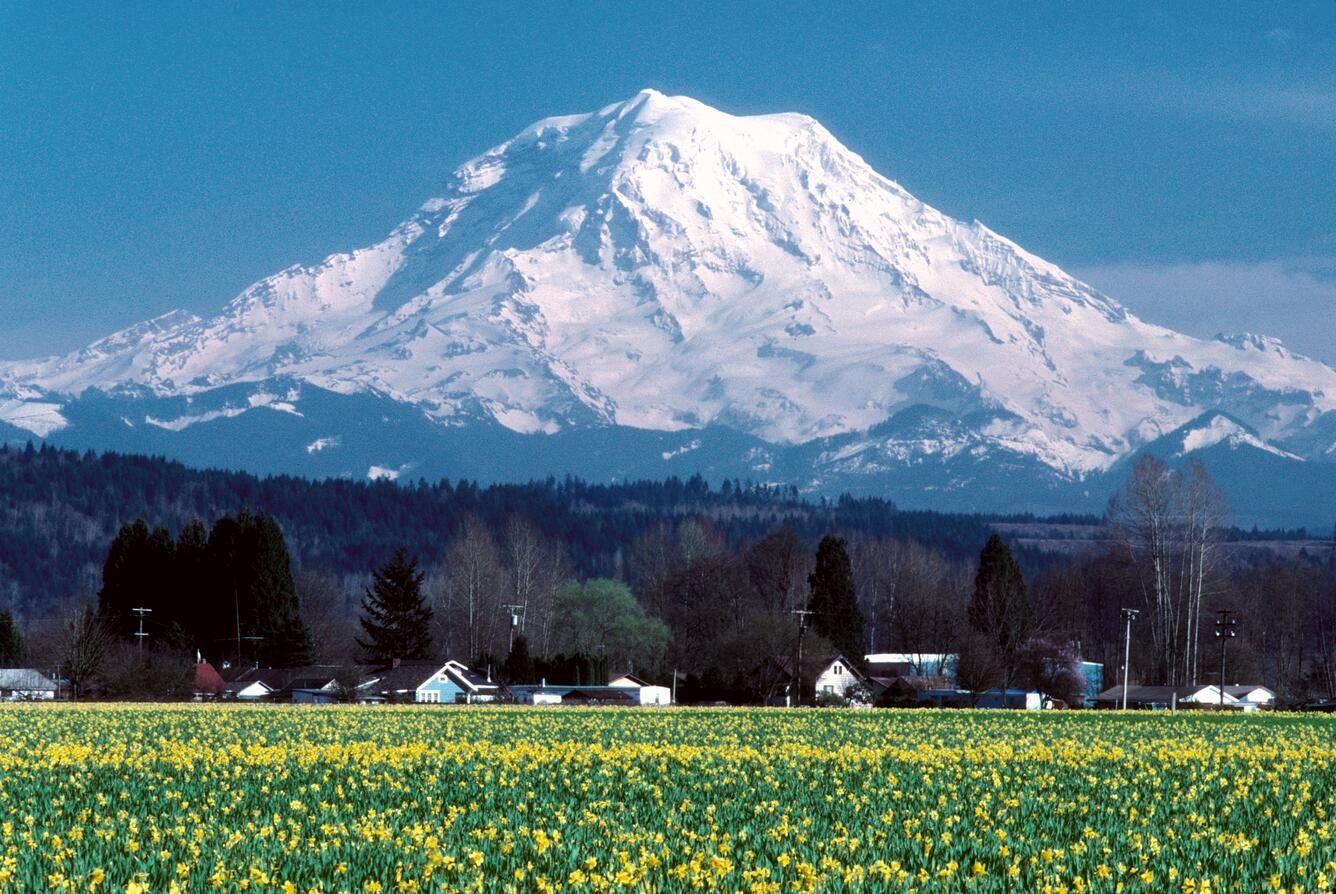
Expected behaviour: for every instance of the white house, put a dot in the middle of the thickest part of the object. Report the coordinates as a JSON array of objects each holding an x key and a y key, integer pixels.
[
  {"x": 837, "y": 676},
  {"x": 647, "y": 693},
  {"x": 21, "y": 684}
]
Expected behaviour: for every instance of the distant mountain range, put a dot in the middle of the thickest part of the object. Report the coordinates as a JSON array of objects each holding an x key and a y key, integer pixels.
[{"x": 659, "y": 288}]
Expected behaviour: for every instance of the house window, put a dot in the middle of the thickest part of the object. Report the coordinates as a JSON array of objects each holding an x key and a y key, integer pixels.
[
  {"x": 829, "y": 689},
  {"x": 838, "y": 670}
]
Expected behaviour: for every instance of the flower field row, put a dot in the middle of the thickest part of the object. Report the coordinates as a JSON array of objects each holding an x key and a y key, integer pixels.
[{"x": 242, "y": 798}]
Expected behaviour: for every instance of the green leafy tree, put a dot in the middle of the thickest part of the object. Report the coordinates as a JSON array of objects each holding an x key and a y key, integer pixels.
[
  {"x": 396, "y": 621},
  {"x": 999, "y": 611},
  {"x": 833, "y": 602},
  {"x": 601, "y": 618}
]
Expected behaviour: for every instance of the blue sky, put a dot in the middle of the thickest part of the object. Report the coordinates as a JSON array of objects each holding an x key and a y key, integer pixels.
[{"x": 1182, "y": 156}]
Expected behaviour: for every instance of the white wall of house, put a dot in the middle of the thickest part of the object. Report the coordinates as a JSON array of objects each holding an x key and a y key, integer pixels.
[
  {"x": 27, "y": 695},
  {"x": 836, "y": 678}
]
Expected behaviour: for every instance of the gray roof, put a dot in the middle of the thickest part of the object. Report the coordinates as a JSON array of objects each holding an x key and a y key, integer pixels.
[{"x": 24, "y": 678}]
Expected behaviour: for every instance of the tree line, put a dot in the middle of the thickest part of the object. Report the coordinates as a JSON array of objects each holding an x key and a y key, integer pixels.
[{"x": 713, "y": 590}]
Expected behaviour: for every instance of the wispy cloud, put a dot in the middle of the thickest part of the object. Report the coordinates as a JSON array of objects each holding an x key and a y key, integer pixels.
[{"x": 1293, "y": 299}]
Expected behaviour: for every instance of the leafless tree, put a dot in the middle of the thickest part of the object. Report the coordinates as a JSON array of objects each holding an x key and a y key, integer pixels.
[
  {"x": 536, "y": 568},
  {"x": 1168, "y": 524},
  {"x": 469, "y": 591},
  {"x": 84, "y": 645},
  {"x": 323, "y": 598}
]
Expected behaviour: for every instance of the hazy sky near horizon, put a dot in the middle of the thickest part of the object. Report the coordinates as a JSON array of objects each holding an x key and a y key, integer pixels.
[{"x": 1180, "y": 157}]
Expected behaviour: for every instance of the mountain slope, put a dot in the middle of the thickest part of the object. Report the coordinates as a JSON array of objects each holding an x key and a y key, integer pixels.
[{"x": 662, "y": 266}]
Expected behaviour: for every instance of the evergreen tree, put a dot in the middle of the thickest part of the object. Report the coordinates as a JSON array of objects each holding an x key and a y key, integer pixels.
[
  {"x": 395, "y": 618},
  {"x": 835, "y": 612},
  {"x": 1000, "y": 608},
  {"x": 138, "y": 574},
  {"x": 12, "y": 651},
  {"x": 192, "y": 583},
  {"x": 252, "y": 594},
  {"x": 519, "y": 666}
]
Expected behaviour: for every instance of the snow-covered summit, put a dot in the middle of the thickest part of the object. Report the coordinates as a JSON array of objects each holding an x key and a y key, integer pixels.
[{"x": 660, "y": 264}]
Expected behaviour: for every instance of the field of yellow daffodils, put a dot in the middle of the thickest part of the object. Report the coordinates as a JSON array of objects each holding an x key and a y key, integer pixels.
[{"x": 292, "y": 799}]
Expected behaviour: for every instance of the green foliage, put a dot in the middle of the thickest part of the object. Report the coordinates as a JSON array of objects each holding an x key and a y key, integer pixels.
[
  {"x": 396, "y": 621},
  {"x": 601, "y": 617},
  {"x": 836, "y": 615}
]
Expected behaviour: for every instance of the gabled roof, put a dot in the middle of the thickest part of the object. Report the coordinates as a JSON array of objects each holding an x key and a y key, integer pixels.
[
  {"x": 630, "y": 678},
  {"x": 405, "y": 676},
  {"x": 207, "y": 679},
  {"x": 469, "y": 679},
  {"x": 25, "y": 679},
  {"x": 282, "y": 677},
  {"x": 1239, "y": 691}
]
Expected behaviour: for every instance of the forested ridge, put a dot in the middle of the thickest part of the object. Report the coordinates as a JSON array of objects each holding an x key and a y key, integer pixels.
[{"x": 61, "y": 509}]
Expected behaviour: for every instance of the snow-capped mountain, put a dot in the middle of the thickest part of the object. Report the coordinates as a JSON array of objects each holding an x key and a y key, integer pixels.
[{"x": 693, "y": 291}]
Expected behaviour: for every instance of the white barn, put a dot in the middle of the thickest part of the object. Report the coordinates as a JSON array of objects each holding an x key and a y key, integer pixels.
[{"x": 648, "y": 693}]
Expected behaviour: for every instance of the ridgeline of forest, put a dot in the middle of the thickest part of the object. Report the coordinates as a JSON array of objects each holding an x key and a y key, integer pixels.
[{"x": 61, "y": 509}]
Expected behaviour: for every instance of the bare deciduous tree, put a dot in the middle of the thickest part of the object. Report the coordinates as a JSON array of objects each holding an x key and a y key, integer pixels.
[
  {"x": 469, "y": 591},
  {"x": 84, "y": 644},
  {"x": 1168, "y": 523}
]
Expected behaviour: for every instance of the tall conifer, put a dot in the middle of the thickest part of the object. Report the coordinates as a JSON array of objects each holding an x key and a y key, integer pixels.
[
  {"x": 834, "y": 607},
  {"x": 396, "y": 620}
]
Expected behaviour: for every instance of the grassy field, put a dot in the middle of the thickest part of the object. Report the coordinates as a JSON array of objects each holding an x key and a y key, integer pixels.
[{"x": 203, "y": 798}]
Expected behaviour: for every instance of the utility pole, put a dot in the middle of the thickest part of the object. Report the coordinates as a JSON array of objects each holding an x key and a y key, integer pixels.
[
  {"x": 236, "y": 605},
  {"x": 516, "y": 610},
  {"x": 802, "y": 614},
  {"x": 1225, "y": 630},
  {"x": 1129, "y": 615},
  {"x": 141, "y": 613}
]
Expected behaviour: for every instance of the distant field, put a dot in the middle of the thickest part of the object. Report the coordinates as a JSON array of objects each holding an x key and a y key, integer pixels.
[{"x": 204, "y": 798}]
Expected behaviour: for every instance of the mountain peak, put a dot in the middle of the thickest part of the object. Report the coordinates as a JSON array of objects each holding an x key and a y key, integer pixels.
[{"x": 660, "y": 265}]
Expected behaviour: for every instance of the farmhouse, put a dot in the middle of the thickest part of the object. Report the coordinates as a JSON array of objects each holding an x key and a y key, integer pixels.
[
  {"x": 429, "y": 683},
  {"x": 21, "y": 684}
]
